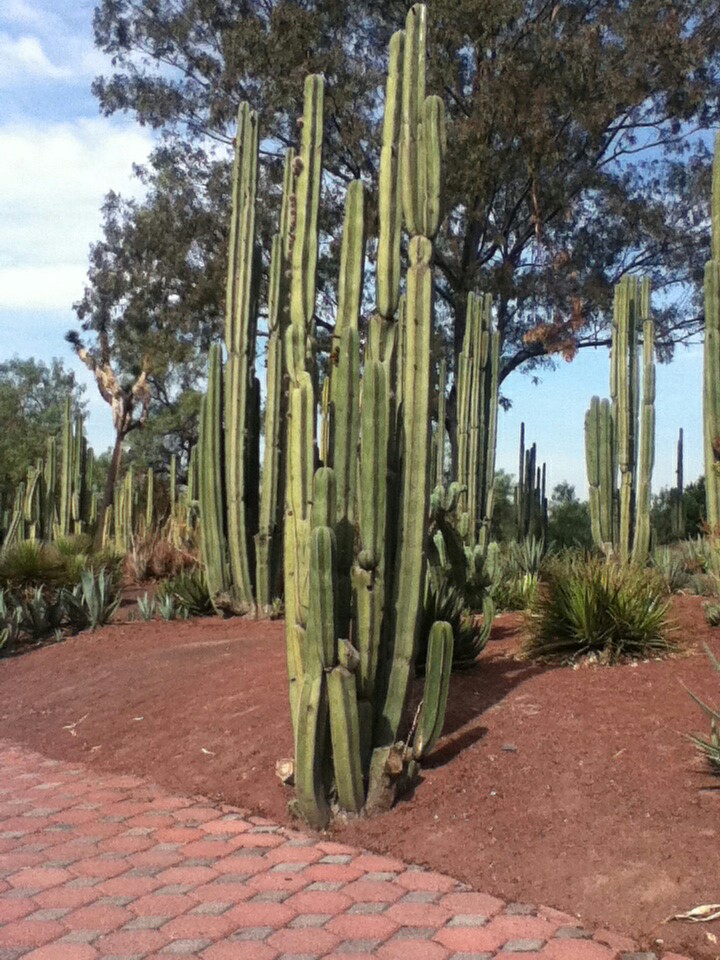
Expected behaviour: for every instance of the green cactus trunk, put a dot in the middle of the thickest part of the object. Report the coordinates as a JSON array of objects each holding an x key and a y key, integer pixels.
[
  {"x": 711, "y": 364},
  {"x": 211, "y": 493},
  {"x": 619, "y": 440},
  {"x": 531, "y": 507},
  {"x": 350, "y": 672},
  {"x": 678, "y": 501}
]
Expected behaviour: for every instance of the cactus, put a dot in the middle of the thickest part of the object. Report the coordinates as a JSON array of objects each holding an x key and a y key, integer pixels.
[
  {"x": 268, "y": 542},
  {"x": 677, "y": 496},
  {"x": 477, "y": 405},
  {"x": 210, "y": 458},
  {"x": 711, "y": 354},
  {"x": 619, "y": 441},
  {"x": 531, "y": 506},
  {"x": 242, "y": 549},
  {"x": 350, "y": 678},
  {"x": 66, "y": 476},
  {"x": 150, "y": 499}
]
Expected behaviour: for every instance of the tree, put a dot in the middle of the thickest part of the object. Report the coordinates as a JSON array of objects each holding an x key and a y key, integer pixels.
[
  {"x": 571, "y": 159},
  {"x": 693, "y": 510},
  {"x": 32, "y": 401},
  {"x": 569, "y": 519},
  {"x": 152, "y": 304}
]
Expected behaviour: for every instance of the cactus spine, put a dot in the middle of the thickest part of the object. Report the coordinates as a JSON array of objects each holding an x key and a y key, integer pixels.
[
  {"x": 619, "y": 441},
  {"x": 711, "y": 354}
]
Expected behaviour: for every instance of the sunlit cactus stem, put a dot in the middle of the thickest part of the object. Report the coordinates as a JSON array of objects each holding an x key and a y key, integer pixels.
[
  {"x": 678, "y": 498},
  {"x": 711, "y": 354},
  {"x": 210, "y": 459}
]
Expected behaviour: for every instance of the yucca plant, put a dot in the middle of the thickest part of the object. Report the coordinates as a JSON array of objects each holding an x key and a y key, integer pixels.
[
  {"x": 93, "y": 602},
  {"x": 589, "y": 606},
  {"x": 709, "y": 748},
  {"x": 190, "y": 592}
]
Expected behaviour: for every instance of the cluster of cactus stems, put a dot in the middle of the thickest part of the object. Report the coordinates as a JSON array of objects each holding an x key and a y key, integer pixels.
[
  {"x": 711, "y": 366},
  {"x": 477, "y": 413},
  {"x": 353, "y": 609},
  {"x": 531, "y": 506},
  {"x": 53, "y": 503},
  {"x": 620, "y": 432},
  {"x": 241, "y": 529}
]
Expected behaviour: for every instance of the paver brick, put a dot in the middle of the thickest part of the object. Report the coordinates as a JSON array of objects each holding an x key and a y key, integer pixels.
[
  {"x": 363, "y": 927},
  {"x": 316, "y": 943}
]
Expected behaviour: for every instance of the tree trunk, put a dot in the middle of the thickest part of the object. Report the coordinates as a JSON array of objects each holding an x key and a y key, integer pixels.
[{"x": 109, "y": 493}]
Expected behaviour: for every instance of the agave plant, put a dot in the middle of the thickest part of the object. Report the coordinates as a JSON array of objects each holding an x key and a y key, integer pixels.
[
  {"x": 712, "y": 614},
  {"x": 169, "y": 609},
  {"x": 42, "y": 615},
  {"x": 146, "y": 607},
  {"x": 93, "y": 602},
  {"x": 11, "y": 621},
  {"x": 190, "y": 592},
  {"x": 671, "y": 564},
  {"x": 709, "y": 748}
]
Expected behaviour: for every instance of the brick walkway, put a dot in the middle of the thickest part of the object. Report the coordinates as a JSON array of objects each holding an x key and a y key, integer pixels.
[{"x": 115, "y": 867}]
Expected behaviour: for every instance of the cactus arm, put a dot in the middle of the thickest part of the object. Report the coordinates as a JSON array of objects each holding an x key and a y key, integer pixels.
[
  {"x": 437, "y": 685},
  {"x": 345, "y": 734}
]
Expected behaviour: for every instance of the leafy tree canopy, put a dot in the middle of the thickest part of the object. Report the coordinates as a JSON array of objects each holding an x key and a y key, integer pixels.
[
  {"x": 573, "y": 154},
  {"x": 569, "y": 519}
]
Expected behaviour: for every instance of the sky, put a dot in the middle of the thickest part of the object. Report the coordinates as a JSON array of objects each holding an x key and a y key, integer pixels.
[{"x": 59, "y": 157}]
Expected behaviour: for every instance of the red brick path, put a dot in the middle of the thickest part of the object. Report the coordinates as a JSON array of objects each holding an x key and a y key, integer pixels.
[{"x": 116, "y": 868}]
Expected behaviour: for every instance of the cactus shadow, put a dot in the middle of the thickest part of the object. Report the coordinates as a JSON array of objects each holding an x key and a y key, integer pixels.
[{"x": 472, "y": 694}]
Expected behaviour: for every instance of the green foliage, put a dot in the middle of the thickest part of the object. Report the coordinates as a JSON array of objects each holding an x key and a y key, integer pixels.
[
  {"x": 693, "y": 512},
  {"x": 168, "y": 609},
  {"x": 146, "y": 607},
  {"x": 712, "y": 614},
  {"x": 11, "y": 619},
  {"x": 710, "y": 747},
  {"x": 93, "y": 602},
  {"x": 32, "y": 401},
  {"x": 569, "y": 519},
  {"x": 181, "y": 68},
  {"x": 42, "y": 614},
  {"x": 190, "y": 592},
  {"x": 30, "y": 563},
  {"x": 671, "y": 565},
  {"x": 589, "y": 606}
]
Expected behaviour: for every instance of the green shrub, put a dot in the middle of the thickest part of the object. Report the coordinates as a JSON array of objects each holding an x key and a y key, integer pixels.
[
  {"x": 42, "y": 614},
  {"x": 11, "y": 617},
  {"x": 670, "y": 563},
  {"x": 146, "y": 607},
  {"x": 93, "y": 602},
  {"x": 709, "y": 748},
  {"x": 29, "y": 564},
  {"x": 588, "y": 606},
  {"x": 190, "y": 592},
  {"x": 712, "y": 614}
]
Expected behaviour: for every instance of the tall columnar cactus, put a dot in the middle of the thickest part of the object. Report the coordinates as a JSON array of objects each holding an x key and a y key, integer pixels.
[
  {"x": 245, "y": 557},
  {"x": 66, "y": 476},
  {"x": 439, "y": 439},
  {"x": 268, "y": 542},
  {"x": 240, "y": 380},
  {"x": 620, "y": 442},
  {"x": 678, "y": 500},
  {"x": 302, "y": 405},
  {"x": 711, "y": 367},
  {"x": 477, "y": 411},
  {"x": 531, "y": 506},
  {"x": 350, "y": 693},
  {"x": 210, "y": 459}
]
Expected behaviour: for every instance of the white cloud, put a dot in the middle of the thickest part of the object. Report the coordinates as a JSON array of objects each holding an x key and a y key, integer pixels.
[
  {"x": 54, "y": 179},
  {"x": 23, "y": 58}
]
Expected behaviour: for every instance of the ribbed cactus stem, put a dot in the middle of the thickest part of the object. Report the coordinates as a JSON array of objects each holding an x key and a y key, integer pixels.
[
  {"x": 66, "y": 476},
  {"x": 390, "y": 199},
  {"x": 678, "y": 514},
  {"x": 646, "y": 456},
  {"x": 711, "y": 354},
  {"x": 210, "y": 459},
  {"x": 440, "y": 432},
  {"x": 240, "y": 336},
  {"x": 601, "y": 472},
  {"x": 299, "y": 348}
]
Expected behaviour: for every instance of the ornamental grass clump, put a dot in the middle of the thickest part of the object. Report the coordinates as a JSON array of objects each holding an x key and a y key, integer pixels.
[{"x": 587, "y": 606}]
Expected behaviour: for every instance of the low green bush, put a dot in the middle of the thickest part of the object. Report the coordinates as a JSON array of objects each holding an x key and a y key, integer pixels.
[
  {"x": 587, "y": 606},
  {"x": 93, "y": 602}
]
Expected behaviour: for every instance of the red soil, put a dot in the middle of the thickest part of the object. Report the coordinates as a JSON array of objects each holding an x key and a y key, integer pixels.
[{"x": 573, "y": 788}]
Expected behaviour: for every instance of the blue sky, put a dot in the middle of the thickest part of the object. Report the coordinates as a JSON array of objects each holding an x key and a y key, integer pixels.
[{"x": 58, "y": 158}]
